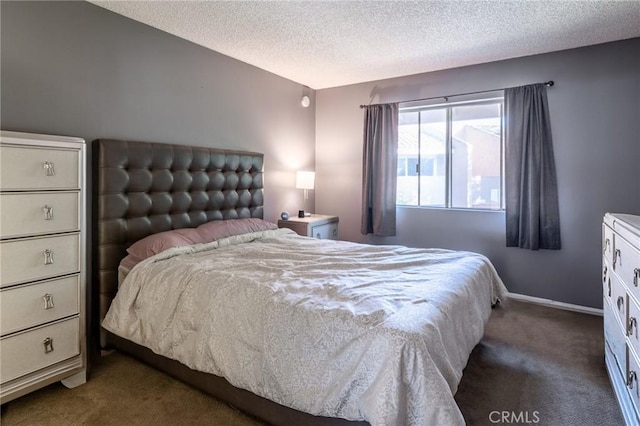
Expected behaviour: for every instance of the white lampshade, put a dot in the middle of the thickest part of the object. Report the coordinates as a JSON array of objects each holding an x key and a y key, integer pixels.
[{"x": 305, "y": 180}]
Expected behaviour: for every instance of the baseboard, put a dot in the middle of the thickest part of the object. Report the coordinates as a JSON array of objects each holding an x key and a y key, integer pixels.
[{"x": 554, "y": 304}]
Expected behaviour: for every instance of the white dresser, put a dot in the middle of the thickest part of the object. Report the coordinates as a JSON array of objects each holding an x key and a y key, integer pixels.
[
  {"x": 42, "y": 262},
  {"x": 621, "y": 305}
]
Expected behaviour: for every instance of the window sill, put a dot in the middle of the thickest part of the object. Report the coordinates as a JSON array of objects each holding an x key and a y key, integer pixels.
[{"x": 453, "y": 209}]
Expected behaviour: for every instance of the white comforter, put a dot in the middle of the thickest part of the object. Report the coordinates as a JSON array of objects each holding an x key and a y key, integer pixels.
[{"x": 331, "y": 328}]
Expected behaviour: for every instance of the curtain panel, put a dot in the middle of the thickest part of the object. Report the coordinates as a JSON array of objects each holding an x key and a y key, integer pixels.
[
  {"x": 531, "y": 188},
  {"x": 379, "y": 170}
]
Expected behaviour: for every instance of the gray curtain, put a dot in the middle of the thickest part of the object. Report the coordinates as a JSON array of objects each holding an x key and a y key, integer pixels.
[
  {"x": 380, "y": 170},
  {"x": 531, "y": 188}
]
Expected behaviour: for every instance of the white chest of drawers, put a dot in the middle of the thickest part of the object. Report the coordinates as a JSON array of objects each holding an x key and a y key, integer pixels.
[
  {"x": 621, "y": 305},
  {"x": 42, "y": 262}
]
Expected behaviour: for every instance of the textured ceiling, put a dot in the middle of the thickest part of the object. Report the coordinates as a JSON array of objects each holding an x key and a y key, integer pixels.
[{"x": 324, "y": 44}]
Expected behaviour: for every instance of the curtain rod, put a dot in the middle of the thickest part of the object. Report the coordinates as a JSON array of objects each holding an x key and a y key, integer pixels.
[{"x": 446, "y": 98}]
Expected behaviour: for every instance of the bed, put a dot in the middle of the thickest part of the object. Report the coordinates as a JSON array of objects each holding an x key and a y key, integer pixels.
[{"x": 286, "y": 328}]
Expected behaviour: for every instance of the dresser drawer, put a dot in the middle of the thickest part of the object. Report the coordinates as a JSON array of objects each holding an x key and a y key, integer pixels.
[
  {"x": 619, "y": 301},
  {"x": 327, "y": 231},
  {"x": 27, "y": 352},
  {"x": 33, "y": 167},
  {"x": 35, "y": 304},
  {"x": 607, "y": 243},
  {"x": 38, "y": 258},
  {"x": 632, "y": 376},
  {"x": 615, "y": 338},
  {"x": 38, "y": 213},
  {"x": 633, "y": 318},
  {"x": 627, "y": 264},
  {"x": 607, "y": 291}
]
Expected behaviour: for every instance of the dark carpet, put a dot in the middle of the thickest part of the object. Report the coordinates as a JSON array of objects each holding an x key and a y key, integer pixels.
[{"x": 535, "y": 365}]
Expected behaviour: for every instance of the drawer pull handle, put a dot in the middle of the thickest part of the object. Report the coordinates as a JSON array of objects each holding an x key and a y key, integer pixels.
[
  {"x": 48, "y": 257},
  {"x": 606, "y": 246},
  {"x": 632, "y": 378},
  {"x": 632, "y": 323},
  {"x": 609, "y": 283},
  {"x": 48, "y": 345},
  {"x": 617, "y": 255},
  {"x": 48, "y": 212},
  {"x": 49, "y": 167},
  {"x": 604, "y": 274},
  {"x": 48, "y": 301},
  {"x": 620, "y": 303},
  {"x": 636, "y": 277}
]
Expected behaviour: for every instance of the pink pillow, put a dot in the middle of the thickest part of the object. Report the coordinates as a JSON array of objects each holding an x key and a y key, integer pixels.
[
  {"x": 207, "y": 232},
  {"x": 217, "y": 229},
  {"x": 130, "y": 261},
  {"x": 157, "y": 243}
]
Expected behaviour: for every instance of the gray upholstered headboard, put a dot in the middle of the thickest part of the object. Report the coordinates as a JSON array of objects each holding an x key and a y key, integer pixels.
[{"x": 145, "y": 188}]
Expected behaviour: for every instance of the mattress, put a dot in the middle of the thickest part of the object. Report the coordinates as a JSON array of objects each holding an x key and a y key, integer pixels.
[{"x": 331, "y": 328}]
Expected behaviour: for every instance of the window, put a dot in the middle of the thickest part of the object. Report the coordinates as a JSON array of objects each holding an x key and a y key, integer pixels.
[{"x": 451, "y": 156}]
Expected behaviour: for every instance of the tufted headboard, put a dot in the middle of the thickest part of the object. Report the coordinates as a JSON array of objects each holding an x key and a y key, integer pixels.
[{"x": 144, "y": 188}]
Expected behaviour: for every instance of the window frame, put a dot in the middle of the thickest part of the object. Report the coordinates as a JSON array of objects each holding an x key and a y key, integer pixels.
[{"x": 489, "y": 98}]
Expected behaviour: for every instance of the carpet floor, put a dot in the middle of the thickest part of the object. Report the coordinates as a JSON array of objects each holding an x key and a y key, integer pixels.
[{"x": 539, "y": 365}]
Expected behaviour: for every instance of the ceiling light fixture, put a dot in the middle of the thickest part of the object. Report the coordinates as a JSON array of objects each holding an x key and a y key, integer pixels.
[{"x": 305, "y": 101}]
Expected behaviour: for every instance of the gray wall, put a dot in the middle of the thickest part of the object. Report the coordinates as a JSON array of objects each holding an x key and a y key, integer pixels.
[
  {"x": 72, "y": 68},
  {"x": 595, "y": 115},
  {"x": 75, "y": 69}
]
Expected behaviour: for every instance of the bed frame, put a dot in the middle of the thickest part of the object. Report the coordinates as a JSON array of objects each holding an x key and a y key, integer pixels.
[{"x": 142, "y": 188}]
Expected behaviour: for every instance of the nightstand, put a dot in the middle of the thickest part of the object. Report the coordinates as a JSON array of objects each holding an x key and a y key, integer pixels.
[{"x": 316, "y": 226}]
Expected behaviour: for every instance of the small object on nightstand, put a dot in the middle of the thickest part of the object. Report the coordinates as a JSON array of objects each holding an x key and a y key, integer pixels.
[
  {"x": 300, "y": 213},
  {"x": 284, "y": 215}
]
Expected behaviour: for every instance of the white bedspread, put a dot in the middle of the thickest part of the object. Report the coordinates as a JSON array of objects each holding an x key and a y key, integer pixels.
[{"x": 331, "y": 328}]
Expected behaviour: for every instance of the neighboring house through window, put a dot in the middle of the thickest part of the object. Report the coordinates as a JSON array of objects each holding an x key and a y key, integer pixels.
[{"x": 451, "y": 155}]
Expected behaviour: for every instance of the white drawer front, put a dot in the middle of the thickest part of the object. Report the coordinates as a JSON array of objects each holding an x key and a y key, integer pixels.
[
  {"x": 614, "y": 337},
  {"x": 632, "y": 376},
  {"x": 619, "y": 300},
  {"x": 38, "y": 213},
  {"x": 627, "y": 264},
  {"x": 607, "y": 291},
  {"x": 607, "y": 243},
  {"x": 328, "y": 231},
  {"x": 34, "y": 304},
  {"x": 26, "y": 352},
  {"x": 633, "y": 321},
  {"x": 38, "y": 168},
  {"x": 38, "y": 258}
]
